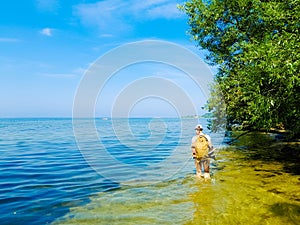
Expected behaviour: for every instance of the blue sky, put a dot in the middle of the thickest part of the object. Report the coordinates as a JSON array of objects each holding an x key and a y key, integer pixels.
[{"x": 47, "y": 45}]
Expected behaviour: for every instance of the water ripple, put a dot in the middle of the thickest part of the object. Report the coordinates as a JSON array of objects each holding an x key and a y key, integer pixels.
[{"x": 43, "y": 174}]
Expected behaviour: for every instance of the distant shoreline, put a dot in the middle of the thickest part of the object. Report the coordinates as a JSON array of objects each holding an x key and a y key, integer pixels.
[{"x": 184, "y": 117}]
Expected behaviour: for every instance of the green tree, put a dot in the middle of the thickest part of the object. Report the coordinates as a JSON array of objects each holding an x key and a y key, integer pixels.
[{"x": 256, "y": 46}]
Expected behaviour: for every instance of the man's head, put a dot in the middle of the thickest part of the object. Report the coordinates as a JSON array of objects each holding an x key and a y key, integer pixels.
[{"x": 198, "y": 128}]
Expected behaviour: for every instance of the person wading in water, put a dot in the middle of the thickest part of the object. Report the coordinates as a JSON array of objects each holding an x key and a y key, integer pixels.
[{"x": 201, "y": 146}]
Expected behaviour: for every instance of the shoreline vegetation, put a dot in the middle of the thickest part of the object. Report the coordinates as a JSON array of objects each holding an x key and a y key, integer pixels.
[
  {"x": 255, "y": 45},
  {"x": 205, "y": 115}
]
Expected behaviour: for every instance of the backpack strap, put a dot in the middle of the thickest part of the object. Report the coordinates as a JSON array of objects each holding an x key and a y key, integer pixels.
[{"x": 203, "y": 135}]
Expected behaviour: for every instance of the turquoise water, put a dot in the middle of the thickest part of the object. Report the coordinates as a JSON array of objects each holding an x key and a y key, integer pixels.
[{"x": 139, "y": 171}]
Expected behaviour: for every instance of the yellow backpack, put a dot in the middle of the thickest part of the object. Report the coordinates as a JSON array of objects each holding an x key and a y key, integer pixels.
[{"x": 201, "y": 147}]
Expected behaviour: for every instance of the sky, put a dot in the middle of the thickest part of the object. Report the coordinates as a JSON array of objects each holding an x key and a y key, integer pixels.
[{"x": 46, "y": 47}]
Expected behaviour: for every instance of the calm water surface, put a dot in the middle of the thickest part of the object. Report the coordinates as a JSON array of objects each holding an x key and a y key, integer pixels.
[{"x": 45, "y": 179}]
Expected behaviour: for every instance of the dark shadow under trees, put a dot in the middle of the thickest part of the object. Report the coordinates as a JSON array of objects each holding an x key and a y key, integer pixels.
[{"x": 268, "y": 147}]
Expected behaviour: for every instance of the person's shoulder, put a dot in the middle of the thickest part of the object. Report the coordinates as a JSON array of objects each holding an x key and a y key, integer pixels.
[{"x": 194, "y": 136}]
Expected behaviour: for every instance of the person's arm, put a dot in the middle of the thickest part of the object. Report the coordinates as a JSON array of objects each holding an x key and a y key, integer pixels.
[
  {"x": 209, "y": 142},
  {"x": 193, "y": 142},
  {"x": 211, "y": 153}
]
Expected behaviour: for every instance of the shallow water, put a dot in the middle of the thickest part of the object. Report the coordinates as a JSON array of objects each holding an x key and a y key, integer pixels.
[
  {"x": 45, "y": 178},
  {"x": 237, "y": 194},
  {"x": 243, "y": 190}
]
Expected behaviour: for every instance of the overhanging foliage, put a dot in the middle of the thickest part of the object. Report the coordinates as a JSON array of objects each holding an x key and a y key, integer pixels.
[{"x": 256, "y": 45}]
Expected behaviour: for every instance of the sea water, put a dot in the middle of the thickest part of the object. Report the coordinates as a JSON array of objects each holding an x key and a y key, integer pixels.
[{"x": 137, "y": 171}]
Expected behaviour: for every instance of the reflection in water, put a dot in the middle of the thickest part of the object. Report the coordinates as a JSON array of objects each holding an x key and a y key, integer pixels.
[{"x": 251, "y": 184}]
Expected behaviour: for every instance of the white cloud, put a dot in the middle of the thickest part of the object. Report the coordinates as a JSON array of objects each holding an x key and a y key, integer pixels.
[
  {"x": 75, "y": 73},
  {"x": 107, "y": 35},
  {"x": 59, "y": 75},
  {"x": 118, "y": 15},
  {"x": 106, "y": 15},
  {"x": 47, "y": 5},
  {"x": 47, "y": 31},
  {"x": 156, "y": 9},
  {"x": 167, "y": 11},
  {"x": 79, "y": 71},
  {"x": 2, "y": 39}
]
